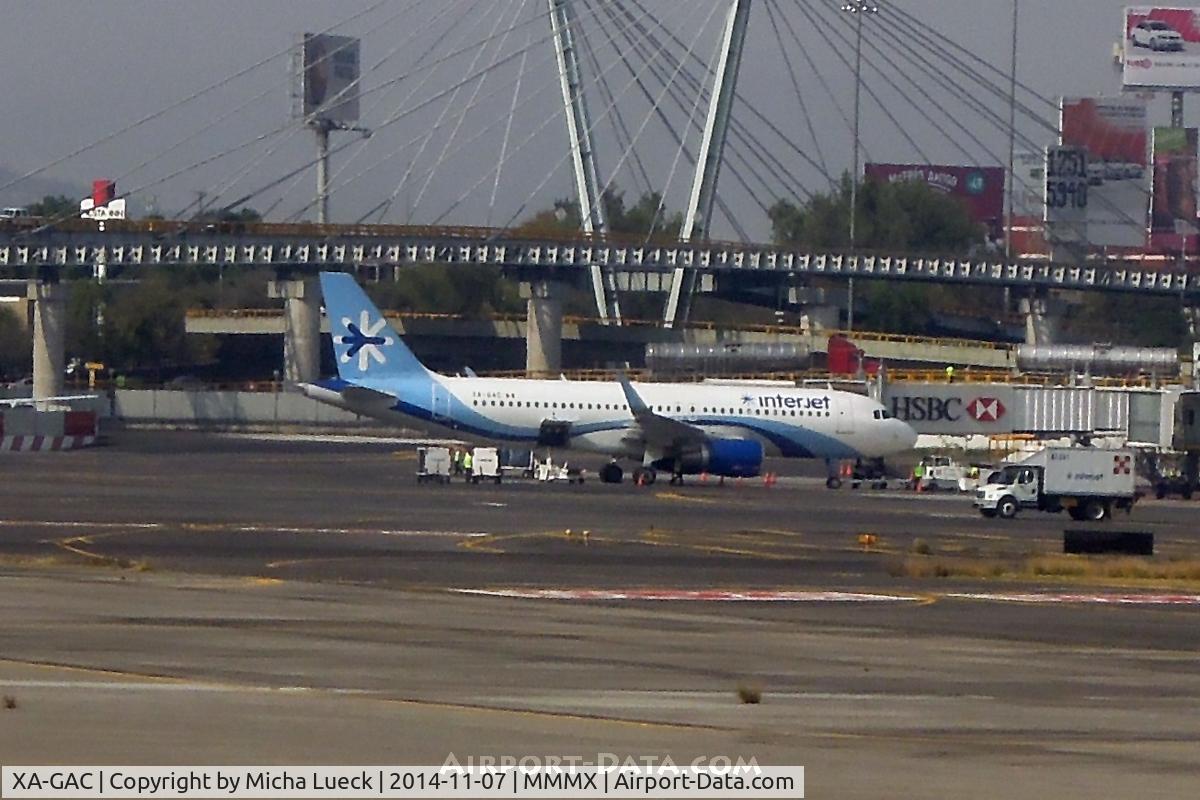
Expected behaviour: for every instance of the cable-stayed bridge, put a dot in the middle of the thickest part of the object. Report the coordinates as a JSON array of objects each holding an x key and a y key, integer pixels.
[{"x": 483, "y": 113}]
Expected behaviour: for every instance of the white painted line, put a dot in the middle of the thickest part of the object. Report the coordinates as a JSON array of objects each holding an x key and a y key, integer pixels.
[
  {"x": 38, "y": 523},
  {"x": 340, "y": 439},
  {"x": 191, "y": 526},
  {"x": 1079, "y": 597},
  {"x": 692, "y": 595},
  {"x": 372, "y": 531},
  {"x": 169, "y": 686}
]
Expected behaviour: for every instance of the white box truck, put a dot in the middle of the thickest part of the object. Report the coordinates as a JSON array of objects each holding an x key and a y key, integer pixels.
[{"x": 1086, "y": 482}]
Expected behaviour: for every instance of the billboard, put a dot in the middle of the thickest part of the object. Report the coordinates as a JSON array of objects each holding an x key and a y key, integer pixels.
[
  {"x": 981, "y": 189},
  {"x": 1113, "y": 132},
  {"x": 953, "y": 409},
  {"x": 1161, "y": 47},
  {"x": 1065, "y": 199},
  {"x": 329, "y": 75},
  {"x": 1173, "y": 209},
  {"x": 1029, "y": 179}
]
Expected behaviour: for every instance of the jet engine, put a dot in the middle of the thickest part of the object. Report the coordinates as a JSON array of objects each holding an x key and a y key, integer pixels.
[{"x": 730, "y": 458}]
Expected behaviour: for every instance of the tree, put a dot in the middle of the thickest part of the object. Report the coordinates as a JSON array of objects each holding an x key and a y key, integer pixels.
[
  {"x": 1127, "y": 319},
  {"x": 55, "y": 206},
  {"x": 907, "y": 217}
]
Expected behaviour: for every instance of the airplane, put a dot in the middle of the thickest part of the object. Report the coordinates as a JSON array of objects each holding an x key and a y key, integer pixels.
[{"x": 722, "y": 429}]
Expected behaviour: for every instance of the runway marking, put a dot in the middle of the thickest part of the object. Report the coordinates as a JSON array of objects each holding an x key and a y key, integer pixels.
[
  {"x": 37, "y": 523},
  {"x": 693, "y": 595},
  {"x": 339, "y": 439},
  {"x": 685, "y": 498},
  {"x": 170, "y": 686},
  {"x": 1081, "y": 598}
]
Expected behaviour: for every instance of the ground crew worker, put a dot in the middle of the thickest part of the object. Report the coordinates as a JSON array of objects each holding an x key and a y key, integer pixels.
[
  {"x": 466, "y": 463},
  {"x": 918, "y": 474},
  {"x": 949, "y": 373}
]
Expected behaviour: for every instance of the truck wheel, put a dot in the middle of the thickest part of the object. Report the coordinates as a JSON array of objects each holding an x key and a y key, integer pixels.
[
  {"x": 1095, "y": 510},
  {"x": 833, "y": 482},
  {"x": 1007, "y": 508}
]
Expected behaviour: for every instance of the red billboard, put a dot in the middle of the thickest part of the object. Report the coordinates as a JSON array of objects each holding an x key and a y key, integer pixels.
[
  {"x": 981, "y": 189},
  {"x": 1114, "y": 132}
]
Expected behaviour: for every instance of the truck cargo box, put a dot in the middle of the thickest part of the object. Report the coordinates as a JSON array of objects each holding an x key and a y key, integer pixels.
[{"x": 1084, "y": 471}]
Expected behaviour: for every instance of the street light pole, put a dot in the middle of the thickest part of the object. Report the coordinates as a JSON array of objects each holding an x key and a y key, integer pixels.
[{"x": 858, "y": 8}]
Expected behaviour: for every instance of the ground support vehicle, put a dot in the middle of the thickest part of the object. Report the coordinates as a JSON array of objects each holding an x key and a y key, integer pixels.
[
  {"x": 485, "y": 465},
  {"x": 1089, "y": 483},
  {"x": 433, "y": 464}
]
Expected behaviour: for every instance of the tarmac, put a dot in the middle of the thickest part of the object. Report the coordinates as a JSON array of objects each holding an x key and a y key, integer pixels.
[{"x": 185, "y": 598}]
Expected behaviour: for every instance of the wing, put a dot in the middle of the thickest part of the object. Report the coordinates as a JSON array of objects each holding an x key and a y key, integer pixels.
[{"x": 661, "y": 434}]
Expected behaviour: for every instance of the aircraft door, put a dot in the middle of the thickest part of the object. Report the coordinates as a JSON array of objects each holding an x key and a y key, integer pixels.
[
  {"x": 440, "y": 406},
  {"x": 843, "y": 412}
]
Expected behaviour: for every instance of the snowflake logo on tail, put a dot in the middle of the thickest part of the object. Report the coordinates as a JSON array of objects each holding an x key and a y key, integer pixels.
[{"x": 364, "y": 340}]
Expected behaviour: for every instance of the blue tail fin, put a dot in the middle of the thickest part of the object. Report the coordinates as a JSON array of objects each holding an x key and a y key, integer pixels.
[{"x": 365, "y": 346}]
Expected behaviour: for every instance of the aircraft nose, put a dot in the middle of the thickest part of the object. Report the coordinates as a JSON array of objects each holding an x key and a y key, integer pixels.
[{"x": 904, "y": 434}]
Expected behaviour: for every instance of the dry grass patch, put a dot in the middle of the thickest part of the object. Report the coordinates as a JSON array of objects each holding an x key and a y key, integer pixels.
[{"x": 1073, "y": 567}]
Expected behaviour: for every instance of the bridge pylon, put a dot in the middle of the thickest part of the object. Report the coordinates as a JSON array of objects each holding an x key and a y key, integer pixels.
[
  {"x": 49, "y": 299},
  {"x": 302, "y": 328}
]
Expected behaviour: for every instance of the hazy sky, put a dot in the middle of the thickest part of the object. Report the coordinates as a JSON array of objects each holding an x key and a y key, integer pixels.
[{"x": 75, "y": 72}]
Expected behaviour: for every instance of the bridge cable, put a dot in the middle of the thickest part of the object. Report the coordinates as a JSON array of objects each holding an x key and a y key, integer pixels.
[
  {"x": 458, "y": 123},
  {"x": 698, "y": 88},
  {"x": 676, "y": 94},
  {"x": 512, "y": 113},
  {"x": 865, "y": 85},
  {"x": 557, "y": 166},
  {"x": 791, "y": 69},
  {"x": 742, "y": 133},
  {"x": 621, "y": 127}
]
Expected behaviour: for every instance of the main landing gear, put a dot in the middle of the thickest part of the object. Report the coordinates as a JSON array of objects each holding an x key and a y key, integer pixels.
[{"x": 644, "y": 476}]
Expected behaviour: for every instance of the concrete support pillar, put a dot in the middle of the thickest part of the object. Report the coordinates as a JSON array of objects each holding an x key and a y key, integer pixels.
[
  {"x": 543, "y": 328},
  {"x": 1042, "y": 320},
  {"x": 301, "y": 328},
  {"x": 49, "y": 328}
]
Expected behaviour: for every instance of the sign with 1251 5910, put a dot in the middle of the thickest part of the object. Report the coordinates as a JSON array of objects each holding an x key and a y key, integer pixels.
[{"x": 1066, "y": 193}]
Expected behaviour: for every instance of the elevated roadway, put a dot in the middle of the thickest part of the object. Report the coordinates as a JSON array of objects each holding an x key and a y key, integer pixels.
[{"x": 639, "y": 265}]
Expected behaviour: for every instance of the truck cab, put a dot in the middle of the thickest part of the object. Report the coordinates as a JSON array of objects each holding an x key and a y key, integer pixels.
[{"x": 1016, "y": 486}]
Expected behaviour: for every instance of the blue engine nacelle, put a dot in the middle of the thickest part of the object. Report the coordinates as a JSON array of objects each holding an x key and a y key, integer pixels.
[{"x": 729, "y": 458}]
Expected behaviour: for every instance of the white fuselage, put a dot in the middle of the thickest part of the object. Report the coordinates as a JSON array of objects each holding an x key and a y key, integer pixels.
[{"x": 788, "y": 421}]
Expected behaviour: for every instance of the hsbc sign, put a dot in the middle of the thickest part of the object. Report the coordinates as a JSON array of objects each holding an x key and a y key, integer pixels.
[
  {"x": 986, "y": 409},
  {"x": 949, "y": 408}
]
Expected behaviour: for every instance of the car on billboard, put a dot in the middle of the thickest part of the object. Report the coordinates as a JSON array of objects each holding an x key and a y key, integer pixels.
[{"x": 1157, "y": 35}]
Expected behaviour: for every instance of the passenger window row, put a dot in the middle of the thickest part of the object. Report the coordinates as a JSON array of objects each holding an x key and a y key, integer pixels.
[{"x": 758, "y": 412}]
